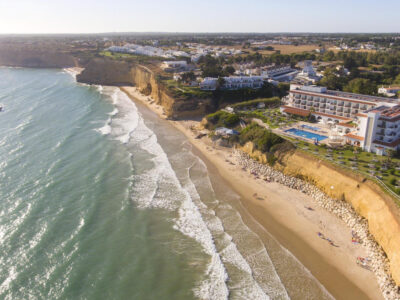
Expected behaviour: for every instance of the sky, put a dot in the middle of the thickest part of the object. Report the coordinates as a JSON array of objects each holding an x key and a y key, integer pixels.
[{"x": 98, "y": 16}]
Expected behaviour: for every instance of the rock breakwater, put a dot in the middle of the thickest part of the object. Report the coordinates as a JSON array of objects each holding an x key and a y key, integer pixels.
[{"x": 378, "y": 262}]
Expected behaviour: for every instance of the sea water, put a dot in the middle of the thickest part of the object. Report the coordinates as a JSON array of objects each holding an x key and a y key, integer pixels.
[{"x": 101, "y": 200}]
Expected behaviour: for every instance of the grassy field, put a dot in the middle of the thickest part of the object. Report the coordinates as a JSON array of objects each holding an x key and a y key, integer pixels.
[
  {"x": 272, "y": 117},
  {"x": 186, "y": 92},
  {"x": 130, "y": 57},
  {"x": 289, "y": 49}
]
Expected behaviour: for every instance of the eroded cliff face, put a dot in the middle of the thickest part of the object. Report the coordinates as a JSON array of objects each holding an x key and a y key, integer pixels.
[
  {"x": 365, "y": 196},
  {"x": 106, "y": 72},
  {"x": 34, "y": 58},
  {"x": 110, "y": 72}
]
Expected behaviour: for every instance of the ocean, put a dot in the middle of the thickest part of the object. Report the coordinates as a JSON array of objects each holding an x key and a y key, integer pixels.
[{"x": 100, "y": 199}]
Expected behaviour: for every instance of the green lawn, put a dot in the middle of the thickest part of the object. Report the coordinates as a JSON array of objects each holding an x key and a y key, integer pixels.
[
  {"x": 272, "y": 117},
  {"x": 130, "y": 57},
  {"x": 366, "y": 163},
  {"x": 186, "y": 92}
]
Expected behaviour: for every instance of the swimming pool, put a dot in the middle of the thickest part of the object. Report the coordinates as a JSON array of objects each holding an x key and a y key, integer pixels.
[
  {"x": 306, "y": 134},
  {"x": 310, "y": 127}
]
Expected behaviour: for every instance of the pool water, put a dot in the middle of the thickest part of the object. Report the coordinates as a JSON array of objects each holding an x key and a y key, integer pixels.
[
  {"x": 306, "y": 134},
  {"x": 310, "y": 127}
]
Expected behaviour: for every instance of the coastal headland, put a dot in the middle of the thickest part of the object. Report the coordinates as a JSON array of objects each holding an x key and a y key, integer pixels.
[
  {"x": 282, "y": 209},
  {"x": 283, "y": 212}
]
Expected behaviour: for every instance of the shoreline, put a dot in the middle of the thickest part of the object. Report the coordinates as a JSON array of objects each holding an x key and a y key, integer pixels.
[{"x": 282, "y": 213}]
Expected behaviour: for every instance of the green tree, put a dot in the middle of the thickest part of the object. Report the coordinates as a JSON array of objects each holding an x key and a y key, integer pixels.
[
  {"x": 220, "y": 82},
  {"x": 229, "y": 70},
  {"x": 397, "y": 79},
  {"x": 188, "y": 77},
  {"x": 361, "y": 86},
  {"x": 328, "y": 56},
  {"x": 332, "y": 81}
]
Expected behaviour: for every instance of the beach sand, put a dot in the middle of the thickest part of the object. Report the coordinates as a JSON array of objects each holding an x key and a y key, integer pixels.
[{"x": 282, "y": 212}]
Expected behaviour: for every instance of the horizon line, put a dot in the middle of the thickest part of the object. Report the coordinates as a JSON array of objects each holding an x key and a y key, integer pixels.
[{"x": 202, "y": 32}]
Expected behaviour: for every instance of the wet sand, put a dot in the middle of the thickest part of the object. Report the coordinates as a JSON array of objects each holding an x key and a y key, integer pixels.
[{"x": 283, "y": 213}]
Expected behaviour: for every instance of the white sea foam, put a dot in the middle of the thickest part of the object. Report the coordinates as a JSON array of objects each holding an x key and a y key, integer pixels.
[
  {"x": 159, "y": 187},
  {"x": 106, "y": 129},
  {"x": 114, "y": 112}
]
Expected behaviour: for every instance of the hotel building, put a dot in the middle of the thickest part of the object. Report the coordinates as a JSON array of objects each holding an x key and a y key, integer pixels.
[
  {"x": 233, "y": 82},
  {"x": 372, "y": 123}
]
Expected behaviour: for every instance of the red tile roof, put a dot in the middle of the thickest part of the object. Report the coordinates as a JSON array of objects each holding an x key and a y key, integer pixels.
[
  {"x": 296, "y": 111},
  {"x": 361, "y": 115},
  {"x": 354, "y": 137}
]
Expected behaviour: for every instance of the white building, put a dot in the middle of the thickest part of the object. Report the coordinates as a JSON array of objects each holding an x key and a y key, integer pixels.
[
  {"x": 147, "y": 51},
  {"x": 377, "y": 129},
  {"x": 275, "y": 72},
  {"x": 174, "y": 65},
  {"x": 233, "y": 82},
  {"x": 369, "y": 122},
  {"x": 389, "y": 91},
  {"x": 308, "y": 74}
]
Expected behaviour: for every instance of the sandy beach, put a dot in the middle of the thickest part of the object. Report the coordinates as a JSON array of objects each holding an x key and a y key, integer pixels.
[{"x": 292, "y": 217}]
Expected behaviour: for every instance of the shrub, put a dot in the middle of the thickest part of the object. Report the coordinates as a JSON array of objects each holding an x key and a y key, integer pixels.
[
  {"x": 262, "y": 138},
  {"x": 222, "y": 119}
]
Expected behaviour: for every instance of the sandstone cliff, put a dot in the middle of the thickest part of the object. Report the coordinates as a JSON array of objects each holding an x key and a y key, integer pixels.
[
  {"x": 34, "y": 58},
  {"x": 365, "y": 197},
  {"x": 111, "y": 72}
]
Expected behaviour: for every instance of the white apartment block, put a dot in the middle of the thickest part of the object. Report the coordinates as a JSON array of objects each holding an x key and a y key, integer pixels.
[
  {"x": 233, "y": 82},
  {"x": 369, "y": 122},
  {"x": 389, "y": 91},
  {"x": 174, "y": 65},
  {"x": 276, "y": 71},
  {"x": 377, "y": 129}
]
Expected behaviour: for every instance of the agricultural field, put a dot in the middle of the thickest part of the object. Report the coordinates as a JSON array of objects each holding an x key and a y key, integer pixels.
[{"x": 289, "y": 49}]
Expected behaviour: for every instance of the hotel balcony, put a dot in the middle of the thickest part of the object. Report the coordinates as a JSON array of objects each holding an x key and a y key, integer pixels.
[
  {"x": 355, "y": 105},
  {"x": 340, "y": 103},
  {"x": 323, "y": 100},
  {"x": 340, "y": 109},
  {"x": 380, "y": 132},
  {"x": 347, "y": 104}
]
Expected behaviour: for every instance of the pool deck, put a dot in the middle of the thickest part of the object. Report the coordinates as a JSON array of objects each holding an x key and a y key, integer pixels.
[{"x": 314, "y": 128}]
